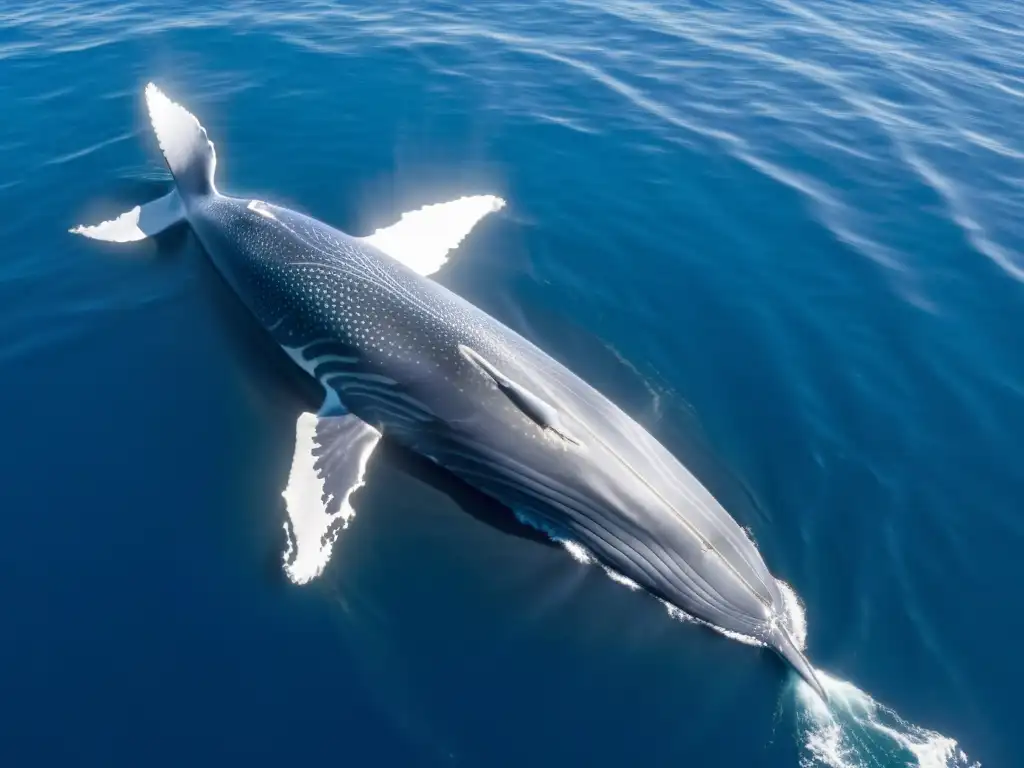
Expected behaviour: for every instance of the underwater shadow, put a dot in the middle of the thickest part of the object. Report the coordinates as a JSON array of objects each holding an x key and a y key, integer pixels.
[{"x": 473, "y": 502}]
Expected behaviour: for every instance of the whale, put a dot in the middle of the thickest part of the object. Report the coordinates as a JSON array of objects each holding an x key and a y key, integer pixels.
[{"x": 398, "y": 355}]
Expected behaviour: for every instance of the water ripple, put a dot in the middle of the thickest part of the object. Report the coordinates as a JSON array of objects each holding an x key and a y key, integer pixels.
[
  {"x": 85, "y": 151},
  {"x": 857, "y": 114}
]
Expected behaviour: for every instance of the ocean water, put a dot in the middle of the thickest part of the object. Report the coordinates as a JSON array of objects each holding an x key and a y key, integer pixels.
[{"x": 785, "y": 236}]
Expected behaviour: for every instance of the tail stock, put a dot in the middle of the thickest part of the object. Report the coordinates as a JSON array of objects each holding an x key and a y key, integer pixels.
[{"x": 784, "y": 645}]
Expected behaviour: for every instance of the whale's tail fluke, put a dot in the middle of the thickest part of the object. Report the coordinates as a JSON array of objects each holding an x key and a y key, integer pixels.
[
  {"x": 784, "y": 645},
  {"x": 187, "y": 149},
  {"x": 191, "y": 159}
]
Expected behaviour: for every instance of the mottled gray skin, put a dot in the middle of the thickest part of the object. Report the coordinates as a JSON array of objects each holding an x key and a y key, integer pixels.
[{"x": 383, "y": 341}]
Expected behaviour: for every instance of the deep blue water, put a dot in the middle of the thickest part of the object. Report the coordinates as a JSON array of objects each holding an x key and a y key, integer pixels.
[{"x": 785, "y": 236}]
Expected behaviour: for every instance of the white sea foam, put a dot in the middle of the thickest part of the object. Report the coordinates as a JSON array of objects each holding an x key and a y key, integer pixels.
[
  {"x": 795, "y": 613},
  {"x": 618, "y": 578},
  {"x": 855, "y": 731},
  {"x": 579, "y": 552},
  {"x": 681, "y": 615}
]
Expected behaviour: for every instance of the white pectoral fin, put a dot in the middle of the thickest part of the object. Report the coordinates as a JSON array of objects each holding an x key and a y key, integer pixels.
[
  {"x": 140, "y": 222},
  {"x": 331, "y": 453},
  {"x": 422, "y": 239}
]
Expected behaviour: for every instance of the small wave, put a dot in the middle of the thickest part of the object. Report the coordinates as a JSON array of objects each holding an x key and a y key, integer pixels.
[
  {"x": 960, "y": 211},
  {"x": 573, "y": 124},
  {"x": 51, "y": 95},
  {"x": 578, "y": 552},
  {"x": 618, "y": 578},
  {"x": 70, "y": 156},
  {"x": 653, "y": 391},
  {"x": 991, "y": 144},
  {"x": 147, "y": 174},
  {"x": 14, "y": 50}
]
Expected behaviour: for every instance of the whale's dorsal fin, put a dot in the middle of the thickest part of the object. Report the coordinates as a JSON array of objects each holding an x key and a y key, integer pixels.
[
  {"x": 330, "y": 459},
  {"x": 539, "y": 411},
  {"x": 422, "y": 239}
]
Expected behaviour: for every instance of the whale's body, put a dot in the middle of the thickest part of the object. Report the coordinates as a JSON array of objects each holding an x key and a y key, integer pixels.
[{"x": 400, "y": 355}]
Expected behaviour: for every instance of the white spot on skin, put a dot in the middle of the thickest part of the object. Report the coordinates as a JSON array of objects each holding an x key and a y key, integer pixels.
[{"x": 261, "y": 208}]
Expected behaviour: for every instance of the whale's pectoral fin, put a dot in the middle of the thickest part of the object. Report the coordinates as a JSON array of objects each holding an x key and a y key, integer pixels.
[
  {"x": 535, "y": 408},
  {"x": 422, "y": 239},
  {"x": 327, "y": 468},
  {"x": 140, "y": 222}
]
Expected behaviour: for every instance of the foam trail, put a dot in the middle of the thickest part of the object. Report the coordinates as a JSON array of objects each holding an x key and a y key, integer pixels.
[
  {"x": 855, "y": 731},
  {"x": 578, "y": 551}
]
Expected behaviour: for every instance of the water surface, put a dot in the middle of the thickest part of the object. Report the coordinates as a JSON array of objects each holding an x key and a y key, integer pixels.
[{"x": 784, "y": 236}]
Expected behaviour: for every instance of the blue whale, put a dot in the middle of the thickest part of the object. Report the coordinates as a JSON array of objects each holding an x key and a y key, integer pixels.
[{"x": 398, "y": 354}]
